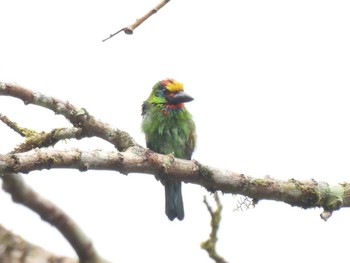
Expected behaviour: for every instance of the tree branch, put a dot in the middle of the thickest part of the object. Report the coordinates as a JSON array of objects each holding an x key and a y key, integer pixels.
[
  {"x": 132, "y": 158},
  {"x": 129, "y": 30},
  {"x": 12, "y": 125},
  {"x": 80, "y": 118},
  {"x": 305, "y": 194},
  {"x": 16, "y": 250},
  {"x": 135, "y": 159},
  {"x": 23, "y": 194},
  {"x": 210, "y": 244},
  {"x": 46, "y": 139},
  {"x": 36, "y": 139}
]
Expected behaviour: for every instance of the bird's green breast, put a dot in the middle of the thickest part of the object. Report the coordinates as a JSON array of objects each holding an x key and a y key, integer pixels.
[{"x": 169, "y": 131}]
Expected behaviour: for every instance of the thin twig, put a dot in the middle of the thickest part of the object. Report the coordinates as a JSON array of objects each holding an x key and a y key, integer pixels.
[
  {"x": 210, "y": 244},
  {"x": 36, "y": 139},
  {"x": 112, "y": 35},
  {"x": 13, "y": 125},
  {"x": 130, "y": 29},
  {"x": 46, "y": 139}
]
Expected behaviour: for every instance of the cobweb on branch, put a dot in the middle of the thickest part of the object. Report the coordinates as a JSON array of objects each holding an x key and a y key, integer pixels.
[{"x": 243, "y": 203}]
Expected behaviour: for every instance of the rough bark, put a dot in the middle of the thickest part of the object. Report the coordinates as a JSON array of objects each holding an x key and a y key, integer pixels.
[
  {"x": 34, "y": 154},
  {"x": 305, "y": 194},
  {"x": 16, "y": 250}
]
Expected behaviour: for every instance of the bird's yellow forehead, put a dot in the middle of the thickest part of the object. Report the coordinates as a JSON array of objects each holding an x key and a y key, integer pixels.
[{"x": 173, "y": 85}]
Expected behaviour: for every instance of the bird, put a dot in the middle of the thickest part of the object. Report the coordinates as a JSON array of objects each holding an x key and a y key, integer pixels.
[{"x": 169, "y": 129}]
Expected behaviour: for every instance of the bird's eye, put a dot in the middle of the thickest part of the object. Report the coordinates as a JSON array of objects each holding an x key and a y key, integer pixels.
[{"x": 166, "y": 92}]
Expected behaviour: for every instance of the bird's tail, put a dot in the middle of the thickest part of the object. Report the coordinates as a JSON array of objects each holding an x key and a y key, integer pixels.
[{"x": 174, "y": 207}]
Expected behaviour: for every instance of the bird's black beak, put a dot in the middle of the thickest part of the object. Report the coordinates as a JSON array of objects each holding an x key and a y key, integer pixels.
[{"x": 179, "y": 97}]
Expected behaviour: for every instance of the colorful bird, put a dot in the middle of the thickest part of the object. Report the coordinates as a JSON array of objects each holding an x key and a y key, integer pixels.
[{"x": 169, "y": 129}]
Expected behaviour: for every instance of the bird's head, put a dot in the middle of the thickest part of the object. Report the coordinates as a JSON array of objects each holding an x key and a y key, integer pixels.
[{"x": 170, "y": 93}]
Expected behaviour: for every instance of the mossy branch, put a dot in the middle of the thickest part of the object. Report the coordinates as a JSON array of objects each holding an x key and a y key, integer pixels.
[
  {"x": 79, "y": 117},
  {"x": 210, "y": 244},
  {"x": 133, "y": 158}
]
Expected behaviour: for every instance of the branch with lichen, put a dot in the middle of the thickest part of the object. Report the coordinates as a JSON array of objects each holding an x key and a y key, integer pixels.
[
  {"x": 132, "y": 158},
  {"x": 305, "y": 194},
  {"x": 34, "y": 154},
  {"x": 78, "y": 117},
  {"x": 13, "y": 125},
  {"x": 210, "y": 244},
  {"x": 129, "y": 30},
  {"x": 34, "y": 139},
  {"x": 23, "y": 194}
]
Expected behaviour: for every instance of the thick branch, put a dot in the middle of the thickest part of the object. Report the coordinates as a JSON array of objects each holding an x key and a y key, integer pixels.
[
  {"x": 16, "y": 250},
  {"x": 23, "y": 194},
  {"x": 305, "y": 194},
  {"x": 80, "y": 118}
]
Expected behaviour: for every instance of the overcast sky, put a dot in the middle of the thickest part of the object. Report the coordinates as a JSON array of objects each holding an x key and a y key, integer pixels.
[{"x": 271, "y": 86}]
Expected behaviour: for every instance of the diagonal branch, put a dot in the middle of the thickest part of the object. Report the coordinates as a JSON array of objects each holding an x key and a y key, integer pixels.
[
  {"x": 49, "y": 212},
  {"x": 80, "y": 118},
  {"x": 23, "y": 194},
  {"x": 14, "y": 126},
  {"x": 130, "y": 29},
  {"x": 305, "y": 194},
  {"x": 16, "y": 250}
]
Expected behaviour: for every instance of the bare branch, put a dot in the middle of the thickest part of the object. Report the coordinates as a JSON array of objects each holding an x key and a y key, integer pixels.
[
  {"x": 23, "y": 194},
  {"x": 16, "y": 250},
  {"x": 129, "y": 30},
  {"x": 80, "y": 118},
  {"x": 210, "y": 210},
  {"x": 305, "y": 194},
  {"x": 210, "y": 244}
]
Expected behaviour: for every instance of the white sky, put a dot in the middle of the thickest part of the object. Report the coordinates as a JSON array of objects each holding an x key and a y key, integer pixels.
[{"x": 270, "y": 81}]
